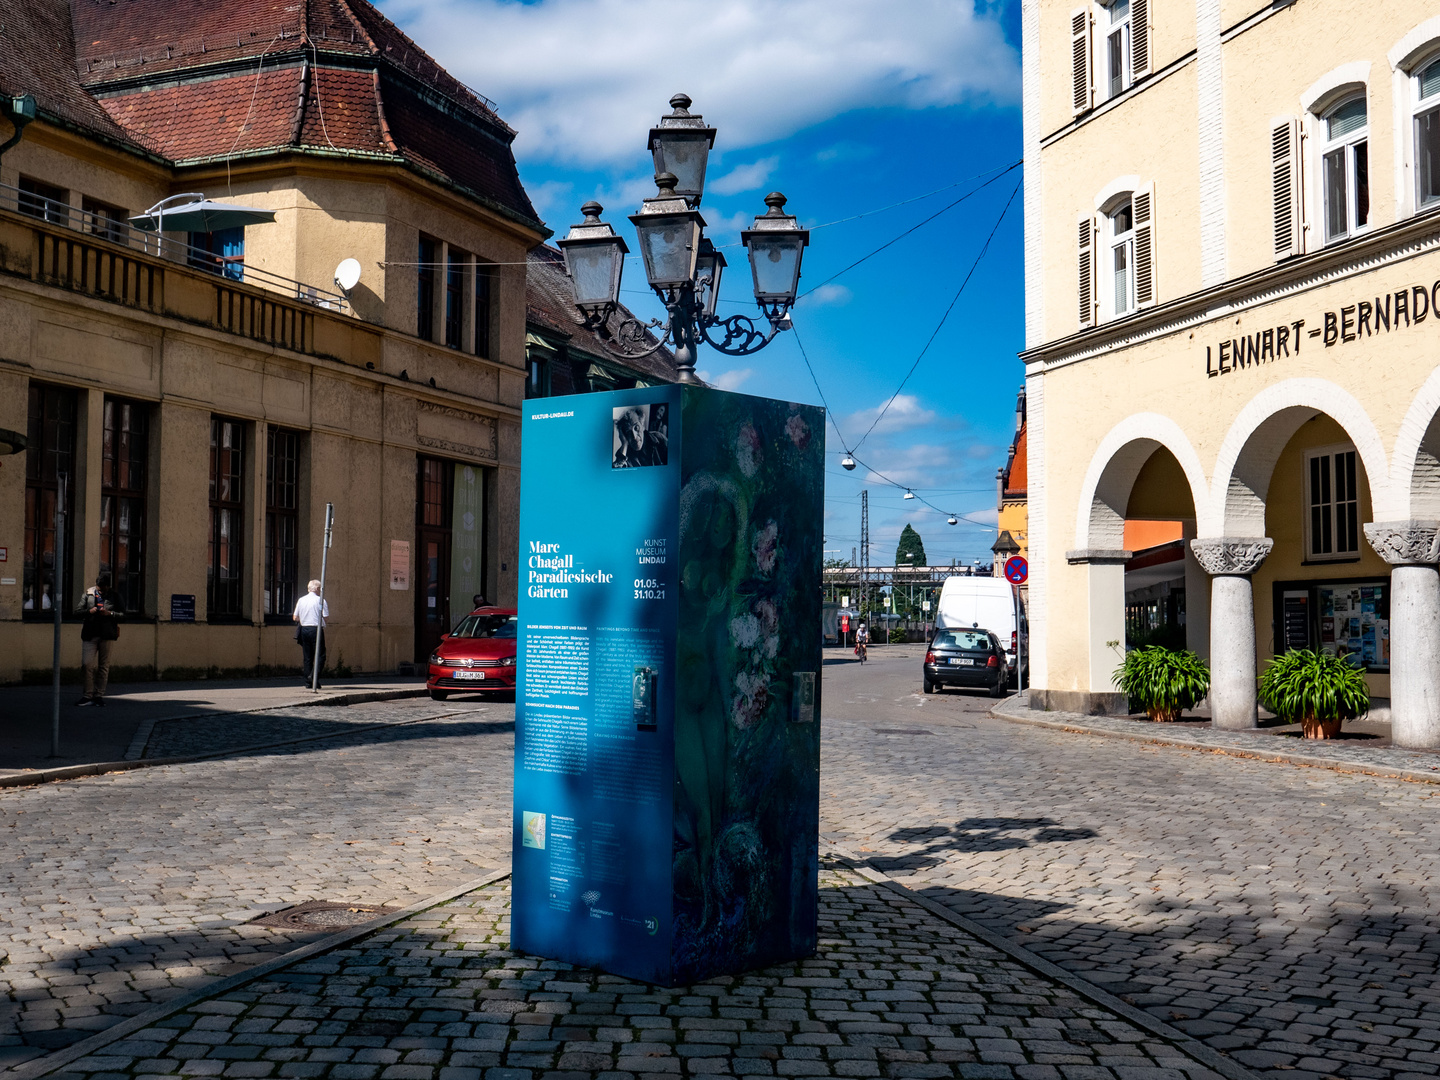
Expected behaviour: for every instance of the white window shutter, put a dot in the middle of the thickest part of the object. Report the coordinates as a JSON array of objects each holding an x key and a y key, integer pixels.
[
  {"x": 1286, "y": 187},
  {"x": 1086, "y": 231},
  {"x": 1143, "y": 204},
  {"x": 1139, "y": 39},
  {"x": 1084, "y": 90}
]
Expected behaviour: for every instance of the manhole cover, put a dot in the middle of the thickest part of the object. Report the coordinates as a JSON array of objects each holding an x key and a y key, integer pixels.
[{"x": 322, "y": 915}]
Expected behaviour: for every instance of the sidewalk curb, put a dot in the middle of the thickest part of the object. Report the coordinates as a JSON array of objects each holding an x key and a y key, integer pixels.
[
  {"x": 1186, "y": 1044},
  {"x": 70, "y": 772},
  {"x": 43, "y": 1066},
  {"x": 1076, "y": 724}
]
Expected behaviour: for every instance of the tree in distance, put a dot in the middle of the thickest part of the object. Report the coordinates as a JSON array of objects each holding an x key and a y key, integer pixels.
[{"x": 910, "y": 545}]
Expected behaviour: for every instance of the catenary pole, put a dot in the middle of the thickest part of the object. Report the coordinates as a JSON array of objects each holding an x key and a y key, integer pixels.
[
  {"x": 56, "y": 603},
  {"x": 320, "y": 630}
]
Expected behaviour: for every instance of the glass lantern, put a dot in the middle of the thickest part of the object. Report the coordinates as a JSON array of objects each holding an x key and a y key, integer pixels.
[
  {"x": 669, "y": 235},
  {"x": 594, "y": 259},
  {"x": 681, "y": 147},
  {"x": 709, "y": 268},
  {"x": 776, "y": 244}
]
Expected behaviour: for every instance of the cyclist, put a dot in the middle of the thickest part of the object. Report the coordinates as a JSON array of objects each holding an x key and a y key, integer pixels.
[{"x": 862, "y": 639}]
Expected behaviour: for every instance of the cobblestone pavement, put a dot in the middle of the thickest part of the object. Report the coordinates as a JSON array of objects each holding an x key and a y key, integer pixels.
[
  {"x": 208, "y": 734},
  {"x": 1369, "y": 754},
  {"x": 1287, "y": 916},
  {"x": 119, "y": 891},
  {"x": 892, "y": 991}
]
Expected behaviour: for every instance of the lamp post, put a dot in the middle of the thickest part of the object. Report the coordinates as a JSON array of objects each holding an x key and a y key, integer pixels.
[{"x": 682, "y": 266}]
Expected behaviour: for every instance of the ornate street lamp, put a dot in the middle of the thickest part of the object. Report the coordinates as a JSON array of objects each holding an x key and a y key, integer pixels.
[{"x": 682, "y": 266}]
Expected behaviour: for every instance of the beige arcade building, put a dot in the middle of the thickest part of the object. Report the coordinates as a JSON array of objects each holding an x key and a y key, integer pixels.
[{"x": 1233, "y": 324}]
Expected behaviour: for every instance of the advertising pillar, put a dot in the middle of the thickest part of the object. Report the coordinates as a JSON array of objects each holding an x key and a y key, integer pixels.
[{"x": 667, "y": 744}]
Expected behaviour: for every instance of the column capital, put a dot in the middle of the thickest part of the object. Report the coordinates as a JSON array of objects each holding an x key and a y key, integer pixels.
[
  {"x": 1405, "y": 543},
  {"x": 1233, "y": 555}
]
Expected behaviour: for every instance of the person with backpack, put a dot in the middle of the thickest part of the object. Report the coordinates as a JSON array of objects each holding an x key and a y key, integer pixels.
[{"x": 98, "y": 634}]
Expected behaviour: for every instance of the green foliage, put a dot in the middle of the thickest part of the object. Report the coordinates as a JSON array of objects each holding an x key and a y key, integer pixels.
[
  {"x": 1163, "y": 682},
  {"x": 1305, "y": 684},
  {"x": 910, "y": 545},
  {"x": 898, "y": 636}
]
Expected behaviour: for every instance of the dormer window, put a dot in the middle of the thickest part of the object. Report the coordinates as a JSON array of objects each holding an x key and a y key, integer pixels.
[{"x": 1345, "y": 169}]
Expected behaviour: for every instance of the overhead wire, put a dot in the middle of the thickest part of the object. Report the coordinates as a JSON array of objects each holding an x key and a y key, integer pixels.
[{"x": 938, "y": 326}]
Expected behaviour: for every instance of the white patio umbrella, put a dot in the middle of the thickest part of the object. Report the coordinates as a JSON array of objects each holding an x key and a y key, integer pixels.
[{"x": 198, "y": 214}]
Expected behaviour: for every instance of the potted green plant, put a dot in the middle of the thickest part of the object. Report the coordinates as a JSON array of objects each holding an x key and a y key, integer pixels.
[
  {"x": 1315, "y": 690},
  {"x": 1164, "y": 682}
]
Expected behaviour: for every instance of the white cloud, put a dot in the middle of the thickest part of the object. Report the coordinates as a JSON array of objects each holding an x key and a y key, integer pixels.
[
  {"x": 744, "y": 178},
  {"x": 729, "y": 380},
  {"x": 831, "y": 294},
  {"x": 990, "y": 517},
  {"x": 583, "y": 80},
  {"x": 904, "y": 413}
]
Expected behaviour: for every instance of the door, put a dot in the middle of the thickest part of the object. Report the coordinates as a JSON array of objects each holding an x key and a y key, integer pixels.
[{"x": 434, "y": 508}]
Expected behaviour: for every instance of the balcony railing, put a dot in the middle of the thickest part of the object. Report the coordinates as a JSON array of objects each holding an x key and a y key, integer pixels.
[{"x": 116, "y": 230}]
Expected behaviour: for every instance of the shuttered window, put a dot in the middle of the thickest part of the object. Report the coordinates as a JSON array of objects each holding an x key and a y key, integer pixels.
[
  {"x": 1144, "y": 204},
  {"x": 1083, "y": 95},
  {"x": 1139, "y": 39},
  {"x": 1117, "y": 48},
  {"x": 1286, "y": 187},
  {"x": 1086, "y": 231}
]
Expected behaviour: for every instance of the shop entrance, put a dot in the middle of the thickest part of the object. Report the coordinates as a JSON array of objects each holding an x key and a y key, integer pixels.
[
  {"x": 450, "y": 547},
  {"x": 435, "y": 508}
]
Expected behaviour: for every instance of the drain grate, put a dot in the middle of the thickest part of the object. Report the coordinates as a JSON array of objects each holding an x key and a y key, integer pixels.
[{"x": 322, "y": 915}]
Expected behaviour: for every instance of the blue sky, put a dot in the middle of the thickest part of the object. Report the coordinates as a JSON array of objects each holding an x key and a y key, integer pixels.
[{"x": 847, "y": 106}]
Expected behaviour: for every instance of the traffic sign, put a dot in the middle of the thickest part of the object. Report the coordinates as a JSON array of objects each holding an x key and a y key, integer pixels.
[{"x": 1017, "y": 570}]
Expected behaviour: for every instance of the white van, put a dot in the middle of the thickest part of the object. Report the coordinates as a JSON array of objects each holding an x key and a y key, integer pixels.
[{"x": 986, "y": 602}]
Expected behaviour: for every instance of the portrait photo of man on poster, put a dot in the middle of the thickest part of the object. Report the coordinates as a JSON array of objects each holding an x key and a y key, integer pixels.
[{"x": 640, "y": 437}]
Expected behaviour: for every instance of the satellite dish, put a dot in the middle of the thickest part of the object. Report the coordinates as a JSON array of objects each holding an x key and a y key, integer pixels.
[{"x": 347, "y": 274}]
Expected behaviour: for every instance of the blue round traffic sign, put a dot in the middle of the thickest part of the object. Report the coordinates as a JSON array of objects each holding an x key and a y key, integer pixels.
[{"x": 1017, "y": 570}]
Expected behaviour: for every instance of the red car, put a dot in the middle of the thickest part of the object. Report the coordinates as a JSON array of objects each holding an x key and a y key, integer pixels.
[{"x": 479, "y": 654}]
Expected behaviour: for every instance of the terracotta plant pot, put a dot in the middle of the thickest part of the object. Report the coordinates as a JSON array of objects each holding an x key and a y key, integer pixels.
[
  {"x": 1165, "y": 716},
  {"x": 1320, "y": 729}
]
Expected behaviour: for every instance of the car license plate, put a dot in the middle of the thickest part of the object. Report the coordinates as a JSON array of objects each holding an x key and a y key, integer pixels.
[
  {"x": 964, "y": 661},
  {"x": 469, "y": 674}
]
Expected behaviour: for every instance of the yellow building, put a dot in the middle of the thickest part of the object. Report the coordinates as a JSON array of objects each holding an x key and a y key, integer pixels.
[
  {"x": 1232, "y": 308},
  {"x": 1011, "y": 481},
  {"x": 200, "y": 400}
]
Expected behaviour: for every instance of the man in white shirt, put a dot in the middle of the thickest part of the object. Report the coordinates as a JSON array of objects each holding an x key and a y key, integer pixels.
[{"x": 311, "y": 613}]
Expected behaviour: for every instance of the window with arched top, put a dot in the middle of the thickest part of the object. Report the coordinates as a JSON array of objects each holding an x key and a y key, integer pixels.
[
  {"x": 1345, "y": 168},
  {"x": 1426, "y": 95},
  {"x": 1119, "y": 255}
]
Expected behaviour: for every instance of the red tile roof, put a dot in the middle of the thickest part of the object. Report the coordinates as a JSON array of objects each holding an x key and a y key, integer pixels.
[
  {"x": 37, "y": 56},
  {"x": 201, "y": 81},
  {"x": 1017, "y": 472}
]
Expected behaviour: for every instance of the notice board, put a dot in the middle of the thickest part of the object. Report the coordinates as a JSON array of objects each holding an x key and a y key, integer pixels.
[{"x": 668, "y": 700}]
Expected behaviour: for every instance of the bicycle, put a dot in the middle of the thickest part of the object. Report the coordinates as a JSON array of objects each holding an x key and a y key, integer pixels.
[{"x": 860, "y": 650}]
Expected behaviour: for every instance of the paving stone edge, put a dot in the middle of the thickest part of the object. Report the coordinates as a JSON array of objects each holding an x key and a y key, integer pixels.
[
  {"x": 96, "y": 768},
  {"x": 43, "y": 1066},
  {"x": 1186, "y": 1044},
  {"x": 1075, "y": 723}
]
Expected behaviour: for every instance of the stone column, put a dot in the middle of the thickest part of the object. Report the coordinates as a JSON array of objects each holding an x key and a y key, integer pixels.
[
  {"x": 1412, "y": 548},
  {"x": 1230, "y": 560},
  {"x": 1105, "y": 629}
]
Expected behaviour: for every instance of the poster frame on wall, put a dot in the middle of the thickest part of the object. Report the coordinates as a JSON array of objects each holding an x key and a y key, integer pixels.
[{"x": 1311, "y": 588}]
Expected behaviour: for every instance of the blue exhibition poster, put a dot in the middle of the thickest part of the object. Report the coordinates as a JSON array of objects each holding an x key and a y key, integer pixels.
[{"x": 667, "y": 710}]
